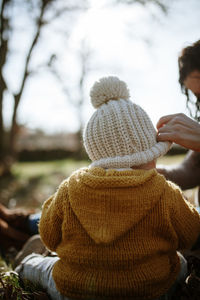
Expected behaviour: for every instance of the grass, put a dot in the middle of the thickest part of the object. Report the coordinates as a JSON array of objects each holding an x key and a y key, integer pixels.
[
  {"x": 12, "y": 287},
  {"x": 32, "y": 169},
  {"x": 67, "y": 166},
  {"x": 33, "y": 182}
]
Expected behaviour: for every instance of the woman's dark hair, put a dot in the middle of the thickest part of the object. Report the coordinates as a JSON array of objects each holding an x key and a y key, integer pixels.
[{"x": 189, "y": 61}]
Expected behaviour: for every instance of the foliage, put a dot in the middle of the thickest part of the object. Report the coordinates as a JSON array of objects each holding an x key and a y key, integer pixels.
[{"x": 12, "y": 288}]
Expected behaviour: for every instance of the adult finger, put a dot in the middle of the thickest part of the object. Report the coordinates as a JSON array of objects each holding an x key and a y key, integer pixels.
[
  {"x": 163, "y": 120},
  {"x": 166, "y": 119},
  {"x": 166, "y": 136}
]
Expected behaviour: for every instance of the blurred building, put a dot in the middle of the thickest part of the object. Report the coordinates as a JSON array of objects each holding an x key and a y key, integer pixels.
[{"x": 35, "y": 145}]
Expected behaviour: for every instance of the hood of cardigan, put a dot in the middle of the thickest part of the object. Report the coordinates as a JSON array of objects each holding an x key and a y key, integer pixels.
[{"x": 108, "y": 203}]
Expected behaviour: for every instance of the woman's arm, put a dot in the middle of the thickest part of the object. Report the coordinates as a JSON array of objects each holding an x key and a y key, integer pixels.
[
  {"x": 180, "y": 129},
  {"x": 186, "y": 174},
  {"x": 184, "y": 131}
]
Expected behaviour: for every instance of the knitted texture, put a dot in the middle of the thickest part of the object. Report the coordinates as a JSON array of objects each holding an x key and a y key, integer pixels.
[
  {"x": 106, "y": 89},
  {"x": 117, "y": 233},
  {"x": 119, "y": 134}
]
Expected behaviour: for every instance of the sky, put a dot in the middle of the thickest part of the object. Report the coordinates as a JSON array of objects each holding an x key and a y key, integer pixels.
[{"x": 124, "y": 41}]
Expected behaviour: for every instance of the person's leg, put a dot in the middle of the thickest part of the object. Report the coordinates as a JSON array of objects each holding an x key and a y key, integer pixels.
[
  {"x": 38, "y": 270},
  {"x": 33, "y": 245}
]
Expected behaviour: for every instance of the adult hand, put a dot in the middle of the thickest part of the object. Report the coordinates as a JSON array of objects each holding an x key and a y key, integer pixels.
[
  {"x": 11, "y": 237},
  {"x": 180, "y": 129},
  {"x": 11, "y": 232}
]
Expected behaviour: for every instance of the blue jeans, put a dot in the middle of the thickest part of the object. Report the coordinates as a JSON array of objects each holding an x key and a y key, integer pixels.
[
  {"x": 33, "y": 221},
  {"x": 198, "y": 209}
]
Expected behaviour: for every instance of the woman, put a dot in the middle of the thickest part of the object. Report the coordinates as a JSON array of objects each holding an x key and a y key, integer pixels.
[{"x": 179, "y": 128}]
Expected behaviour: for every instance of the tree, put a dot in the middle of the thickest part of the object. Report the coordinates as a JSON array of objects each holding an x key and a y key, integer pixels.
[
  {"x": 42, "y": 13},
  {"x": 75, "y": 93},
  {"x": 161, "y": 4}
]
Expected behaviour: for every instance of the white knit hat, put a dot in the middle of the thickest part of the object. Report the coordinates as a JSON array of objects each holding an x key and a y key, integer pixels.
[{"x": 119, "y": 134}]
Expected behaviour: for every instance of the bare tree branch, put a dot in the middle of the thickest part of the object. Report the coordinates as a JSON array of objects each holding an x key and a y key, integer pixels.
[
  {"x": 84, "y": 56},
  {"x": 63, "y": 10},
  {"x": 17, "y": 96},
  {"x": 159, "y": 3},
  {"x": 47, "y": 13},
  {"x": 162, "y": 6}
]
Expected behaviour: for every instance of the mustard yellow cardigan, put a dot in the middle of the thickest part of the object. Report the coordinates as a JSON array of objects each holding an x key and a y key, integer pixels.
[{"x": 117, "y": 233}]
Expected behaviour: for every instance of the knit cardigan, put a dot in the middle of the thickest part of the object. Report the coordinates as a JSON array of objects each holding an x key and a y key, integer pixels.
[{"x": 117, "y": 233}]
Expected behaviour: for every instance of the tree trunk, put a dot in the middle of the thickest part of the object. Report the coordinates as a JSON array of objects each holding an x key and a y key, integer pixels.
[
  {"x": 17, "y": 97},
  {"x": 14, "y": 128}
]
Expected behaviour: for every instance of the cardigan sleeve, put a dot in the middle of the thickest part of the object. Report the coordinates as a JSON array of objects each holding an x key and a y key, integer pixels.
[
  {"x": 185, "y": 220},
  {"x": 50, "y": 226}
]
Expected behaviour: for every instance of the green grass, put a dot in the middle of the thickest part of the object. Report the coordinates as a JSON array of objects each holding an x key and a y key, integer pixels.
[
  {"x": 31, "y": 169},
  {"x": 12, "y": 287},
  {"x": 33, "y": 182}
]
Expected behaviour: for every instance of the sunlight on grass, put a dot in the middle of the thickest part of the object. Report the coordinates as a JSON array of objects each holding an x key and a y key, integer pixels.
[
  {"x": 170, "y": 159},
  {"x": 34, "y": 182},
  {"x": 67, "y": 166},
  {"x": 32, "y": 169}
]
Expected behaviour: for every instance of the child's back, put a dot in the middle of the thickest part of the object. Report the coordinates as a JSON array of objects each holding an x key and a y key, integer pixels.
[
  {"x": 120, "y": 233},
  {"x": 117, "y": 225}
]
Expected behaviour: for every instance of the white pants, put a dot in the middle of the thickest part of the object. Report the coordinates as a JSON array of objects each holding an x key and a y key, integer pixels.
[{"x": 38, "y": 269}]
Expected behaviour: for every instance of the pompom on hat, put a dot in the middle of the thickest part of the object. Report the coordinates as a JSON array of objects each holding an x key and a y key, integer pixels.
[{"x": 119, "y": 134}]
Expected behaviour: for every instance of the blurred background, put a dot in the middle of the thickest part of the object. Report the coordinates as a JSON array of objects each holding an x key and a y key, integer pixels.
[{"x": 51, "y": 53}]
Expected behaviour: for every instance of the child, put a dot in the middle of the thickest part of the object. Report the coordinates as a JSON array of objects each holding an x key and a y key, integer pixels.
[{"x": 117, "y": 225}]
